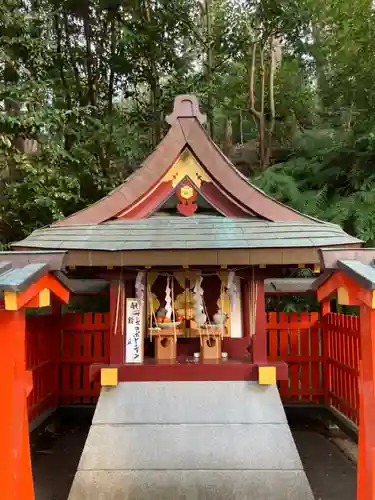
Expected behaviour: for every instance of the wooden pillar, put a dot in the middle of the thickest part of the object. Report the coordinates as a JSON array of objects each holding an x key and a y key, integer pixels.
[
  {"x": 325, "y": 308},
  {"x": 245, "y": 308},
  {"x": 260, "y": 336},
  {"x": 55, "y": 319},
  {"x": 15, "y": 462},
  {"x": 366, "y": 454},
  {"x": 117, "y": 334}
]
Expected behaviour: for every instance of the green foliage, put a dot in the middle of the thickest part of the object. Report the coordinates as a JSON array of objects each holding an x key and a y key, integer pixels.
[
  {"x": 329, "y": 176},
  {"x": 84, "y": 87}
]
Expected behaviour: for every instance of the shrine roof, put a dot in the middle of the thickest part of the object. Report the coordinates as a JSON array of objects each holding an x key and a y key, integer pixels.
[
  {"x": 363, "y": 274},
  {"x": 20, "y": 278},
  {"x": 196, "y": 232},
  {"x": 357, "y": 263},
  {"x": 185, "y": 134},
  {"x": 188, "y": 170},
  {"x": 18, "y": 270},
  {"x": 288, "y": 285}
]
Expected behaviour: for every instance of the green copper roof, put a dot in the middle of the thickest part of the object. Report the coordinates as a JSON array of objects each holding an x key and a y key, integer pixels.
[
  {"x": 196, "y": 232},
  {"x": 18, "y": 279}
]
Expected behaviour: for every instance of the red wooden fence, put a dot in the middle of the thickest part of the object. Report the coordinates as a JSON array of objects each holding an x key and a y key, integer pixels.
[
  {"x": 342, "y": 353},
  {"x": 297, "y": 339},
  {"x": 323, "y": 359},
  {"x": 42, "y": 352},
  {"x": 84, "y": 340}
]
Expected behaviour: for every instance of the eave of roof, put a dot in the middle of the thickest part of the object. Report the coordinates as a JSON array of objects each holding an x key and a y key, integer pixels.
[
  {"x": 363, "y": 274},
  {"x": 197, "y": 232},
  {"x": 18, "y": 279},
  {"x": 18, "y": 259},
  {"x": 289, "y": 285}
]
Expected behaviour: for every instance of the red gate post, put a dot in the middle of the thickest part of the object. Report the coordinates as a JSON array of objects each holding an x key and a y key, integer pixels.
[
  {"x": 359, "y": 289},
  {"x": 15, "y": 470},
  {"x": 366, "y": 453}
]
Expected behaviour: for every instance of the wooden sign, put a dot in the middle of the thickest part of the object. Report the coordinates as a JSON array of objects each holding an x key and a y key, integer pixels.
[{"x": 134, "y": 333}]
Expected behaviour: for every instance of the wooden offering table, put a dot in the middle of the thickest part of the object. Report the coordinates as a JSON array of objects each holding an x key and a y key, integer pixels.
[
  {"x": 211, "y": 340},
  {"x": 165, "y": 343}
]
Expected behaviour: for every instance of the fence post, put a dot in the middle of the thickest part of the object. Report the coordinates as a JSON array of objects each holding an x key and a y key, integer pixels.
[
  {"x": 325, "y": 310},
  {"x": 55, "y": 319}
]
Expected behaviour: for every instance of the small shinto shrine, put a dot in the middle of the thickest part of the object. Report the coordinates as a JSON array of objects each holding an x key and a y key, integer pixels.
[
  {"x": 189, "y": 401},
  {"x": 186, "y": 244}
]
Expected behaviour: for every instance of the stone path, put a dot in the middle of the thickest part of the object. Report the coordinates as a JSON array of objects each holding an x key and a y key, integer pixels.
[{"x": 56, "y": 454}]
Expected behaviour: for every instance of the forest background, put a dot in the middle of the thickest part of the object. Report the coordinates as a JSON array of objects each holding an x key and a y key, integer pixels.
[{"x": 287, "y": 86}]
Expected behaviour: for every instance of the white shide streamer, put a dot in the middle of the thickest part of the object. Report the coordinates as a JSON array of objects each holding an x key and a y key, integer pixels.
[
  {"x": 140, "y": 287},
  {"x": 198, "y": 295},
  {"x": 232, "y": 289},
  {"x": 168, "y": 299}
]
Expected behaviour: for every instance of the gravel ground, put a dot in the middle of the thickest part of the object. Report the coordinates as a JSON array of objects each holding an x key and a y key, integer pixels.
[{"x": 57, "y": 447}]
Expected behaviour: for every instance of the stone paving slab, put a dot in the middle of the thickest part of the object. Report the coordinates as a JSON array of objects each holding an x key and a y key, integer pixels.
[
  {"x": 189, "y": 402},
  {"x": 154, "y": 447},
  {"x": 191, "y": 485}
]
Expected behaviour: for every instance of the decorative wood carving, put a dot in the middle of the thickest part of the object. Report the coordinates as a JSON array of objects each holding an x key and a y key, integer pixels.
[
  {"x": 186, "y": 106},
  {"x": 187, "y": 196},
  {"x": 186, "y": 167}
]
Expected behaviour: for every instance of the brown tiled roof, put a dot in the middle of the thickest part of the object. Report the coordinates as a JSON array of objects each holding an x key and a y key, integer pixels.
[{"x": 186, "y": 132}]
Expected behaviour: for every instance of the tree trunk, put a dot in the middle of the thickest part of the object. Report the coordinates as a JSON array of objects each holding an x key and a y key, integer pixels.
[
  {"x": 209, "y": 70},
  {"x": 228, "y": 137},
  {"x": 155, "y": 90},
  {"x": 264, "y": 125}
]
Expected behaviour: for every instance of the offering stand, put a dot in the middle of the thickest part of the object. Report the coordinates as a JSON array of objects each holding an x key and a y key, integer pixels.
[
  {"x": 165, "y": 339},
  {"x": 211, "y": 340}
]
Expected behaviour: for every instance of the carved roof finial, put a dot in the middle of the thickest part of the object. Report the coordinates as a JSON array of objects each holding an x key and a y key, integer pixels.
[{"x": 186, "y": 106}]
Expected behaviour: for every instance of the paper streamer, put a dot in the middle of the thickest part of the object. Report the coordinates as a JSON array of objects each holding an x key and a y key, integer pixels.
[
  {"x": 140, "y": 287},
  {"x": 198, "y": 295},
  {"x": 168, "y": 299},
  {"x": 232, "y": 289}
]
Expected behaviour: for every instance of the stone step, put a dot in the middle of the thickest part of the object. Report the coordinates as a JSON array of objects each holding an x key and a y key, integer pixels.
[
  {"x": 190, "y": 441},
  {"x": 191, "y": 485},
  {"x": 190, "y": 403},
  {"x": 190, "y": 446}
]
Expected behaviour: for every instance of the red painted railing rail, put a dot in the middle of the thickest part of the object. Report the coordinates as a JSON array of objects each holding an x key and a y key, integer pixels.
[
  {"x": 42, "y": 356},
  {"x": 322, "y": 356},
  {"x": 297, "y": 339},
  {"x": 342, "y": 355},
  {"x": 84, "y": 340}
]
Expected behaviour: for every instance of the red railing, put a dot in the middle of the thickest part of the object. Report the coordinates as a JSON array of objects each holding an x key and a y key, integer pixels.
[
  {"x": 84, "y": 340},
  {"x": 297, "y": 339},
  {"x": 323, "y": 359},
  {"x": 42, "y": 352},
  {"x": 342, "y": 353}
]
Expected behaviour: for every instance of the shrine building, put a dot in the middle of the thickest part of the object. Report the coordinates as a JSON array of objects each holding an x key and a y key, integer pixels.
[{"x": 189, "y": 405}]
